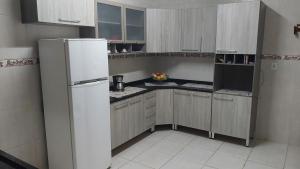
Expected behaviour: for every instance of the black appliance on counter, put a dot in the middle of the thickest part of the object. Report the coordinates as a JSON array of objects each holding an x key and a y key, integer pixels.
[{"x": 118, "y": 84}]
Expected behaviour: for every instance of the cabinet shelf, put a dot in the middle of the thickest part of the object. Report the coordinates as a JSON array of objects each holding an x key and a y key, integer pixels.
[{"x": 234, "y": 92}]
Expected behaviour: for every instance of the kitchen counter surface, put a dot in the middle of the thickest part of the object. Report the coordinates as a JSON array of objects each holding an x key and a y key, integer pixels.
[
  {"x": 141, "y": 84},
  {"x": 9, "y": 162}
]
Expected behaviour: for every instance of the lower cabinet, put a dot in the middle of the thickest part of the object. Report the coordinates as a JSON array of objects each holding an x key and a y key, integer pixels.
[
  {"x": 136, "y": 116},
  {"x": 127, "y": 120},
  {"x": 192, "y": 109},
  {"x": 164, "y": 106},
  {"x": 119, "y": 123},
  {"x": 231, "y": 115},
  {"x": 149, "y": 109}
]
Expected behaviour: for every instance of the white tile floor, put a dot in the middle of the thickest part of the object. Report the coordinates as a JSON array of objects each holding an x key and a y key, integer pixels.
[{"x": 179, "y": 150}]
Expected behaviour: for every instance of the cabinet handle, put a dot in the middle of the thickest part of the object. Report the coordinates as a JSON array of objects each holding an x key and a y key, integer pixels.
[
  {"x": 223, "y": 99},
  {"x": 121, "y": 106},
  {"x": 151, "y": 106},
  {"x": 150, "y": 97},
  {"x": 149, "y": 116},
  {"x": 183, "y": 94},
  {"x": 225, "y": 51},
  {"x": 201, "y": 96},
  {"x": 135, "y": 102},
  {"x": 70, "y": 21},
  {"x": 189, "y": 50}
]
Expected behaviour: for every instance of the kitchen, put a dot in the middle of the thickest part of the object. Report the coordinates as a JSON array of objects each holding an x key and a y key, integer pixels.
[{"x": 277, "y": 106}]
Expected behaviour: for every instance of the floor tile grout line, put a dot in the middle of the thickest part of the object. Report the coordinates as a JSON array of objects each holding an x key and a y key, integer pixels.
[
  {"x": 159, "y": 140},
  {"x": 176, "y": 153},
  {"x": 248, "y": 158},
  {"x": 214, "y": 154},
  {"x": 286, "y": 154},
  {"x": 132, "y": 160}
]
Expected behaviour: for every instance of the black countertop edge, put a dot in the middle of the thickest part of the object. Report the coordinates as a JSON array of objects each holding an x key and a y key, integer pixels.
[
  {"x": 13, "y": 162},
  {"x": 141, "y": 84}
]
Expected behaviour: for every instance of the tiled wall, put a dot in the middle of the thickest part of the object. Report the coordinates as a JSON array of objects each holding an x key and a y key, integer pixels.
[
  {"x": 279, "y": 100},
  {"x": 21, "y": 116}
]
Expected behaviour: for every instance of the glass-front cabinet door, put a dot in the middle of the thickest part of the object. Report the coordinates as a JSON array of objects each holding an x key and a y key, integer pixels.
[
  {"x": 135, "y": 25},
  {"x": 110, "y": 25}
]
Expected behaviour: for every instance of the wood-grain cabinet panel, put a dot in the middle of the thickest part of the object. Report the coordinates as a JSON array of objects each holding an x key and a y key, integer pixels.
[{"x": 231, "y": 115}]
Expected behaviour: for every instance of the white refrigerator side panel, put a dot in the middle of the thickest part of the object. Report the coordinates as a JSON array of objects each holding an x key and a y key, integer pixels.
[
  {"x": 91, "y": 125},
  {"x": 87, "y": 60},
  {"x": 56, "y": 103}
]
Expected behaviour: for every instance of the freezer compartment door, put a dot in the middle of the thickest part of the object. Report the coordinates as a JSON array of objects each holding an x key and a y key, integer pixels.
[
  {"x": 86, "y": 60},
  {"x": 90, "y": 120}
]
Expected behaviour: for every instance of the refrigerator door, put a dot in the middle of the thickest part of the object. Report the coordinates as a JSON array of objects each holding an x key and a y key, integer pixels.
[
  {"x": 90, "y": 120},
  {"x": 86, "y": 59}
]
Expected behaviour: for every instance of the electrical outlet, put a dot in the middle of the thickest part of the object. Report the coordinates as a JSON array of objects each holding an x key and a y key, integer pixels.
[{"x": 274, "y": 66}]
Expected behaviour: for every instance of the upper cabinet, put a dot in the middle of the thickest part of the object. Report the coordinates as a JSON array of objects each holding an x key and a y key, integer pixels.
[
  {"x": 69, "y": 12},
  {"x": 135, "y": 25},
  {"x": 110, "y": 22},
  {"x": 238, "y": 28},
  {"x": 118, "y": 24},
  {"x": 191, "y": 22},
  {"x": 163, "y": 30},
  {"x": 182, "y": 30}
]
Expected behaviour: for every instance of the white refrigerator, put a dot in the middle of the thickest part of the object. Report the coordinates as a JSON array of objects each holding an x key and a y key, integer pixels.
[{"x": 75, "y": 87}]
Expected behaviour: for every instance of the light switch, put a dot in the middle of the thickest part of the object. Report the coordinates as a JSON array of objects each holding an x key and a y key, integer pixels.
[{"x": 274, "y": 66}]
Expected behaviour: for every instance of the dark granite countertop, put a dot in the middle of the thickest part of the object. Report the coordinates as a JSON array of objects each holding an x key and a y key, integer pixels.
[
  {"x": 9, "y": 162},
  {"x": 141, "y": 84}
]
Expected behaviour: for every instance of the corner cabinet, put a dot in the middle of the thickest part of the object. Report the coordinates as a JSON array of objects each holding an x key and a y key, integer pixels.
[
  {"x": 164, "y": 106},
  {"x": 238, "y": 27},
  {"x": 67, "y": 12}
]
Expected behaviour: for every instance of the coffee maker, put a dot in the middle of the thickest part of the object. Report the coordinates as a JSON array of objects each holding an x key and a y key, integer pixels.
[{"x": 118, "y": 83}]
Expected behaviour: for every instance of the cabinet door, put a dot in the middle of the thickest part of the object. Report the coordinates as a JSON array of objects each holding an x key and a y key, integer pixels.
[
  {"x": 136, "y": 116},
  {"x": 191, "y": 20},
  {"x": 71, "y": 12},
  {"x": 171, "y": 30},
  {"x": 119, "y": 123},
  {"x": 49, "y": 10},
  {"x": 135, "y": 25},
  {"x": 231, "y": 115},
  {"x": 164, "y": 107},
  {"x": 110, "y": 21},
  {"x": 154, "y": 30},
  {"x": 183, "y": 108},
  {"x": 237, "y": 27},
  {"x": 201, "y": 113},
  {"x": 223, "y": 112},
  {"x": 149, "y": 110},
  {"x": 209, "y": 28}
]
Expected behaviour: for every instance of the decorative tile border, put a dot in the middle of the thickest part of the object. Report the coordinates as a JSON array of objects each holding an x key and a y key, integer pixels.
[
  {"x": 281, "y": 57},
  {"x": 18, "y": 62},
  {"x": 167, "y": 54}
]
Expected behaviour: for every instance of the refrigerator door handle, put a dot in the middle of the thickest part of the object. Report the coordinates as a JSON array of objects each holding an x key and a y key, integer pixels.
[{"x": 89, "y": 82}]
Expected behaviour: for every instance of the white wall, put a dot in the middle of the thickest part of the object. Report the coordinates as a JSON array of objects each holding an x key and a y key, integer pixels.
[{"x": 22, "y": 131}]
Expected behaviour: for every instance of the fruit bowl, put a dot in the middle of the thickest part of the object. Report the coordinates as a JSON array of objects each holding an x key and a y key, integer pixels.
[{"x": 159, "y": 76}]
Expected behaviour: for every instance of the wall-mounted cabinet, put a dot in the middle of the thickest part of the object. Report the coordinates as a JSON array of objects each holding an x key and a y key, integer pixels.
[
  {"x": 118, "y": 23},
  {"x": 163, "y": 30},
  {"x": 135, "y": 25},
  {"x": 67, "y": 12},
  {"x": 238, "y": 27},
  {"x": 110, "y": 22},
  {"x": 181, "y": 30}
]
